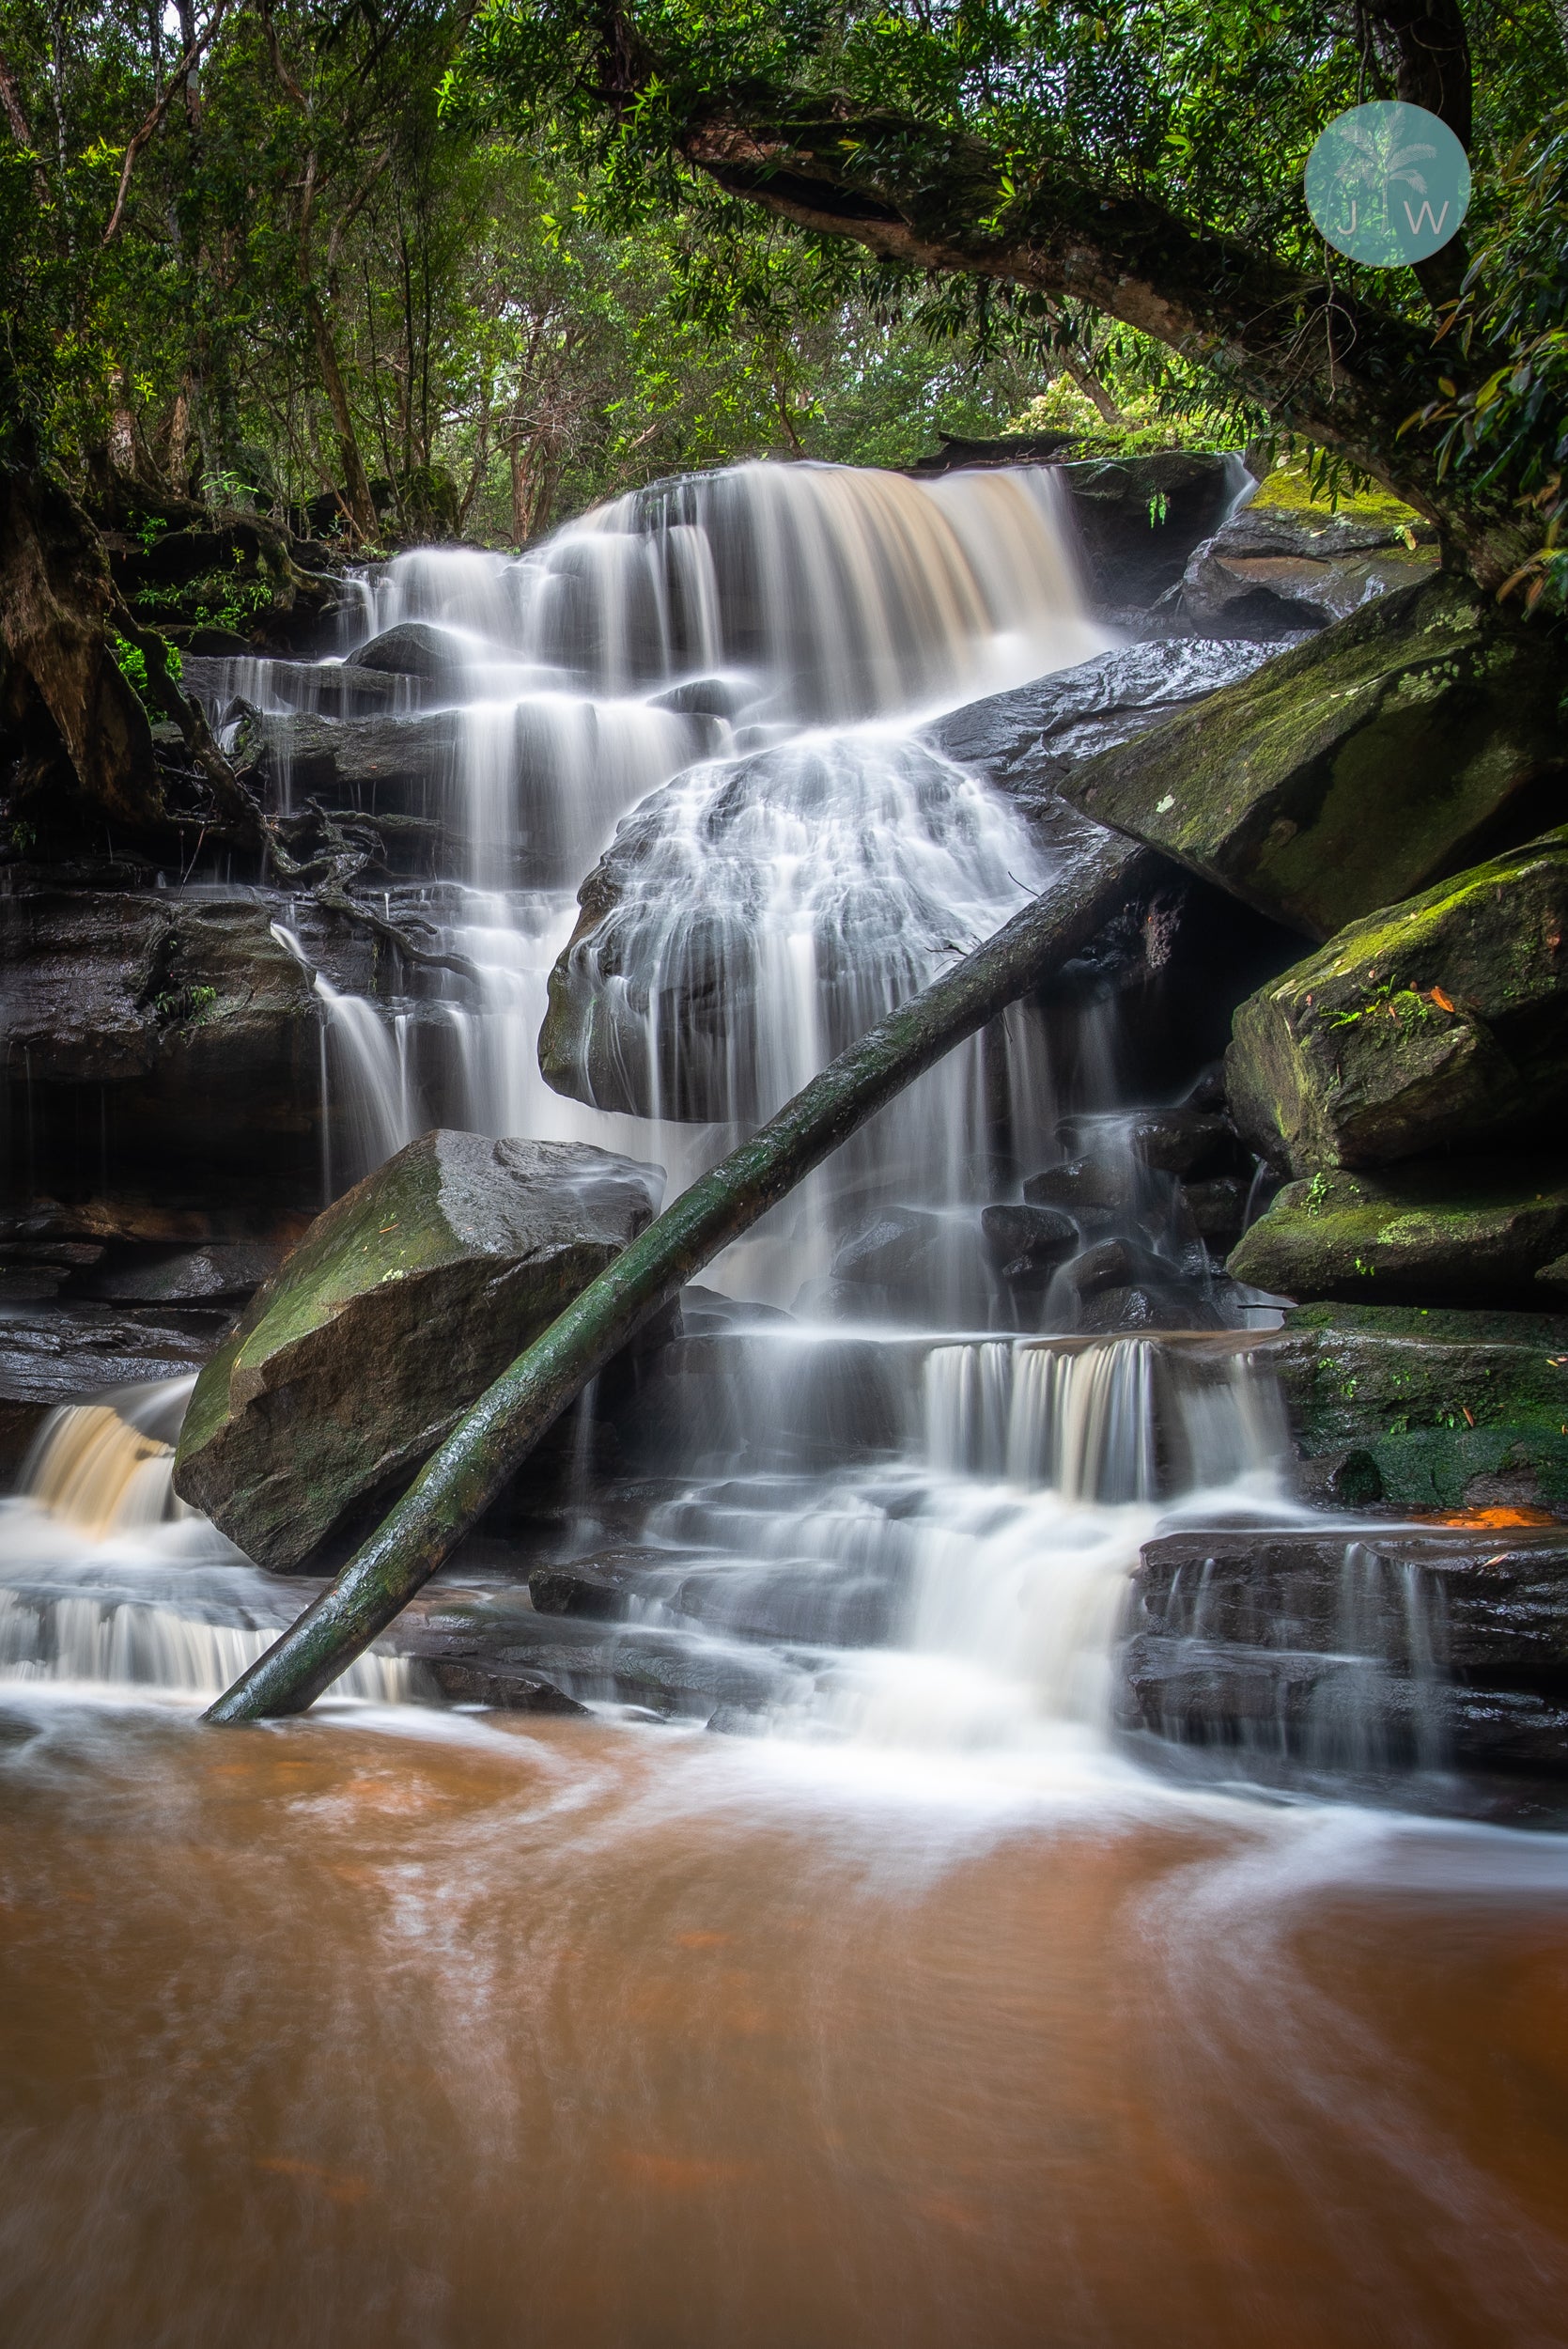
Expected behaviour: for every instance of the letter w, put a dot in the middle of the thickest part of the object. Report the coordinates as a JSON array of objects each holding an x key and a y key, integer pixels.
[{"x": 1423, "y": 217}]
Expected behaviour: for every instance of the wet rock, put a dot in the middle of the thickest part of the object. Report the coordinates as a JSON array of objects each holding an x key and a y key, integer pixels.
[
  {"x": 1111, "y": 1264},
  {"x": 892, "y": 1249},
  {"x": 704, "y": 698},
  {"x": 372, "y": 766},
  {"x": 1181, "y": 1140},
  {"x": 414, "y": 648},
  {"x": 1353, "y": 771},
  {"x": 52, "y": 1354},
  {"x": 603, "y": 1587},
  {"x": 1349, "y": 1647},
  {"x": 1028, "y": 1239},
  {"x": 1274, "y": 569},
  {"x": 672, "y": 1672},
  {"x": 1457, "y": 1408},
  {"x": 1024, "y": 741},
  {"x": 220, "y": 1273},
  {"x": 1089, "y": 1187},
  {"x": 1440, "y": 1233},
  {"x": 327, "y": 688},
  {"x": 149, "y": 1030},
  {"x": 463, "y": 1651},
  {"x": 1139, "y": 518},
  {"x": 1435, "y": 1023},
  {"x": 1115, "y": 1310},
  {"x": 399, "y": 1306}
]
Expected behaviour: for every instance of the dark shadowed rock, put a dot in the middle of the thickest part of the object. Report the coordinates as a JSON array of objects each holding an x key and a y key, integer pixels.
[
  {"x": 1217, "y": 1207},
  {"x": 603, "y": 1586},
  {"x": 398, "y": 1307},
  {"x": 1026, "y": 1239},
  {"x": 221, "y": 1271},
  {"x": 1089, "y": 1187},
  {"x": 1440, "y": 1233},
  {"x": 146, "y": 1029},
  {"x": 1438, "y": 1022},
  {"x": 1352, "y": 771},
  {"x": 1115, "y": 1311},
  {"x": 1139, "y": 518},
  {"x": 373, "y": 765},
  {"x": 414, "y": 648},
  {"x": 889, "y": 1251}
]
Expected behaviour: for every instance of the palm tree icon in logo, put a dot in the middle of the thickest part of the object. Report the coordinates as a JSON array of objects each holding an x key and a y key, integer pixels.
[{"x": 1388, "y": 183}]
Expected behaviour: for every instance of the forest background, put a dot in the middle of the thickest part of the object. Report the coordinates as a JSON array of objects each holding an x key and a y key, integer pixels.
[{"x": 400, "y": 270}]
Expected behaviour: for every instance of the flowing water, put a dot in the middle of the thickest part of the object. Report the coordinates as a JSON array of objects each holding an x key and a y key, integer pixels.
[{"x": 913, "y": 2011}]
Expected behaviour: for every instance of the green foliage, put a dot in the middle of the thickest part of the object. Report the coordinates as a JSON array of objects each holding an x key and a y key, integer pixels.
[
  {"x": 132, "y": 663},
  {"x": 1513, "y": 425}
]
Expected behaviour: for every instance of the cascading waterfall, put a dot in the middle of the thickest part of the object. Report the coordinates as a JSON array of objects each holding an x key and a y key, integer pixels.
[{"x": 731, "y": 669}]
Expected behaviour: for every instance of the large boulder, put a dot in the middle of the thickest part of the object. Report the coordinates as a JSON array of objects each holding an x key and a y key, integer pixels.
[
  {"x": 1276, "y": 569},
  {"x": 1353, "y": 770},
  {"x": 1426, "y": 1233},
  {"x": 399, "y": 1306},
  {"x": 1437, "y": 1023}
]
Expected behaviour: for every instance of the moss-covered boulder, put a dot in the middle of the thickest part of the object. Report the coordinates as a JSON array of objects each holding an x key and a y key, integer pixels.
[
  {"x": 1429, "y": 1233},
  {"x": 1353, "y": 770},
  {"x": 1437, "y": 1023},
  {"x": 1278, "y": 568},
  {"x": 398, "y": 1307}
]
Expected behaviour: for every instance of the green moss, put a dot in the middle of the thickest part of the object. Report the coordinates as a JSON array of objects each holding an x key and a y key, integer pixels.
[{"x": 1288, "y": 489}]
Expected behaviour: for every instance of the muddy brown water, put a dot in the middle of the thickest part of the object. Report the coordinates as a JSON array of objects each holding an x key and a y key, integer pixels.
[{"x": 354, "y": 2032}]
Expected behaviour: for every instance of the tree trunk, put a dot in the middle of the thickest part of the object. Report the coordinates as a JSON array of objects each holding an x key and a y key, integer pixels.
[
  {"x": 56, "y": 611},
  {"x": 356, "y": 482},
  {"x": 492, "y": 1441}
]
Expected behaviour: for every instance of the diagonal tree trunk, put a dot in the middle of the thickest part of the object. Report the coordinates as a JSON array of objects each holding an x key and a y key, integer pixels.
[{"x": 487, "y": 1446}]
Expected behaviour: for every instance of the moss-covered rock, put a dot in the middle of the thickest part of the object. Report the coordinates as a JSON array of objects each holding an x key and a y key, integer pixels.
[
  {"x": 1351, "y": 770},
  {"x": 1442, "y": 1021},
  {"x": 1449, "y": 1232},
  {"x": 398, "y": 1307}
]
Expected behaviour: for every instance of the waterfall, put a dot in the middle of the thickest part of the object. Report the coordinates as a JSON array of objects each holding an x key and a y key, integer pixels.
[{"x": 109, "y": 1581}]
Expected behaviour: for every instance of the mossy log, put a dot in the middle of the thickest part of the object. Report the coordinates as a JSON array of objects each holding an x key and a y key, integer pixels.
[{"x": 462, "y": 1479}]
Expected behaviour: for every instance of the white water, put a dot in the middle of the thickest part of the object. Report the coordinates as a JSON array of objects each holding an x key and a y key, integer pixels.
[{"x": 956, "y": 1576}]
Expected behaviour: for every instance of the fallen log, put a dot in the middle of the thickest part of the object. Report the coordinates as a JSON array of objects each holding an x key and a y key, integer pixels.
[{"x": 464, "y": 1475}]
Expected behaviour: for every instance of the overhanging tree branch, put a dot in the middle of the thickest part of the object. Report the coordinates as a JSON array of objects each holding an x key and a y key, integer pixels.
[{"x": 153, "y": 123}]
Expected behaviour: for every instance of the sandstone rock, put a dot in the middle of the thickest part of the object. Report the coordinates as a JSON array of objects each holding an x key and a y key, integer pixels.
[
  {"x": 1348, "y": 1649},
  {"x": 1443, "y": 1233},
  {"x": 1353, "y": 771},
  {"x": 1438, "y": 1022},
  {"x": 1452, "y": 1405},
  {"x": 399, "y": 1306},
  {"x": 374, "y": 766},
  {"x": 1273, "y": 570}
]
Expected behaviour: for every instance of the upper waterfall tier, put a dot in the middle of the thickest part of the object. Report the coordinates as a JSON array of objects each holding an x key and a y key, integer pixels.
[{"x": 820, "y": 592}]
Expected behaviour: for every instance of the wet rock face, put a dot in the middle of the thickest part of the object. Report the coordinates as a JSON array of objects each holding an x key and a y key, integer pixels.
[
  {"x": 1435, "y": 1023},
  {"x": 1025, "y": 740},
  {"x": 1434, "y": 1233},
  {"x": 1352, "y": 1651},
  {"x": 1455, "y": 1409},
  {"x": 1353, "y": 771},
  {"x": 399, "y": 1306},
  {"x": 414, "y": 648},
  {"x": 1139, "y": 518},
  {"x": 150, "y": 1030},
  {"x": 1274, "y": 571}
]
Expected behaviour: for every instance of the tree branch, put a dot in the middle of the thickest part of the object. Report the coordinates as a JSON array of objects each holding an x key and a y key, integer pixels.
[{"x": 149, "y": 128}]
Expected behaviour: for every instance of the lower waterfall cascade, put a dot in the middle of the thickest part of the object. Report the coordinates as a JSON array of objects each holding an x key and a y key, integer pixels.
[{"x": 780, "y": 1883}]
